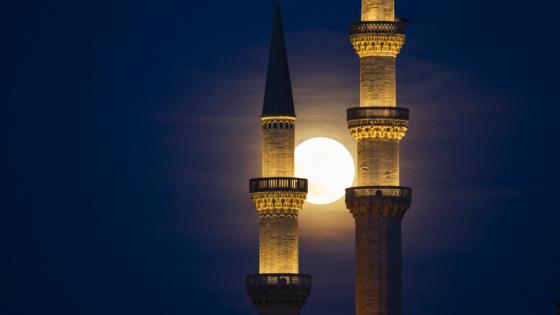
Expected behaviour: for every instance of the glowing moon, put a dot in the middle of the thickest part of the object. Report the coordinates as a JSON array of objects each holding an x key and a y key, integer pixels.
[{"x": 328, "y": 166}]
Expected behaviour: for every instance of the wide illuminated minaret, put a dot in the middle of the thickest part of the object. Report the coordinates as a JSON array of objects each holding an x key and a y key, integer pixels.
[
  {"x": 378, "y": 203},
  {"x": 278, "y": 289}
]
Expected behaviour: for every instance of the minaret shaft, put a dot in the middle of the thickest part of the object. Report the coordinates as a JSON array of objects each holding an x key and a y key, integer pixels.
[
  {"x": 278, "y": 148},
  {"x": 378, "y": 81},
  {"x": 378, "y": 162},
  {"x": 378, "y": 265},
  {"x": 378, "y": 10},
  {"x": 278, "y": 244},
  {"x": 378, "y": 204}
]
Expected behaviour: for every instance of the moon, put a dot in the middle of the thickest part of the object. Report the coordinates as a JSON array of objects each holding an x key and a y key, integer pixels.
[{"x": 328, "y": 166}]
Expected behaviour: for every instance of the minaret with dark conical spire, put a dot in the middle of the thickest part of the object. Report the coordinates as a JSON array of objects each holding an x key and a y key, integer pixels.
[{"x": 279, "y": 288}]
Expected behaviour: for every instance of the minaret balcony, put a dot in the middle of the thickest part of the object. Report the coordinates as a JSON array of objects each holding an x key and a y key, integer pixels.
[
  {"x": 379, "y": 27},
  {"x": 292, "y": 289},
  {"x": 379, "y": 200},
  {"x": 378, "y": 38},
  {"x": 257, "y": 185},
  {"x": 364, "y": 112},
  {"x": 378, "y": 122},
  {"x": 274, "y": 196}
]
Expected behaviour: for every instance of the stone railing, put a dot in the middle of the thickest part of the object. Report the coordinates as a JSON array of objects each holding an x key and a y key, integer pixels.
[
  {"x": 374, "y": 122},
  {"x": 268, "y": 184},
  {"x": 374, "y": 112},
  {"x": 378, "y": 200},
  {"x": 378, "y": 27},
  {"x": 279, "y": 279},
  {"x": 279, "y": 289},
  {"x": 390, "y": 192}
]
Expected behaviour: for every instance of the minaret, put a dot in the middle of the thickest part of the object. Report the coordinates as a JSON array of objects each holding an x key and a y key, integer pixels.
[
  {"x": 378, "y": 203},
  {"x": 279, "y": 288}
]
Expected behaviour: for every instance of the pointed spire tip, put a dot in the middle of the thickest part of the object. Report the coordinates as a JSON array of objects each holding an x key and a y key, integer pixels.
[{"x": 278, "y": 99}]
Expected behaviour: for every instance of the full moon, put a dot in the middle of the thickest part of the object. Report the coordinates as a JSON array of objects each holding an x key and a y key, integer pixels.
[{"x": 328, "y": 166}]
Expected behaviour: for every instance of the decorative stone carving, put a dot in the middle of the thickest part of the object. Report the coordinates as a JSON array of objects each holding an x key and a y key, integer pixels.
[
  {"x": 286, "y": 203},
  {"x": 278, "y": 122},
  {"x": 379, "y": 129},
  {"x": 378, "y": 200},
  {"x": 373, "y": 44},
  {"x": 378, "y": 122},
  {"x": 378, "y": 38}
]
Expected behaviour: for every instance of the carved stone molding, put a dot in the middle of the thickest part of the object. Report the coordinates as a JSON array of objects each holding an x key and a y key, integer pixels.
[
  {"x": 278, "y": 203},
  {"x": 375, "y": 44},
  {"x": 378, "y": 200},
  {"x": 278, "y": 122},
  {"x": 378, "y": 122},
  {"x": 379, "y": 129},
  {"x": 384, "y": 208}
]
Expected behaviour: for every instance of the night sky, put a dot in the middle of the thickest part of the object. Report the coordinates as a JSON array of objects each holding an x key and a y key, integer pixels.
[{"x": 131, "y": 128}]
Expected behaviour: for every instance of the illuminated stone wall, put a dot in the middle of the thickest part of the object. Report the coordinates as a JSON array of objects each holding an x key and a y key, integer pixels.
[
  {"x": 278, "y": 239},
  {"x": 278, "y": 244},
  {"x": 378, "y": 81},
  {"x": 378, "y": 265},
  {"x": 378, "y": 10},
  {"x": 378, "y": 162},
  {"x": 278, "y": 150}
]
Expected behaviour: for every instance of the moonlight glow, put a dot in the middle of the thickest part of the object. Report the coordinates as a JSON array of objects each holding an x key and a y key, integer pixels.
[{"x": 328, "y": 166}]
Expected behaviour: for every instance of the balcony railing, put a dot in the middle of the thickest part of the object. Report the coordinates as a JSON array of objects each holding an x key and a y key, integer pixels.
[
  {"x": 378, "y": 27},
  {"x": 278, "y": 280},
  {"x": 278, "y": 184},
  {"x": 290, "y": 289},
  {"x": 392, "y": 192},
  {"x": 374, "y": 112}
]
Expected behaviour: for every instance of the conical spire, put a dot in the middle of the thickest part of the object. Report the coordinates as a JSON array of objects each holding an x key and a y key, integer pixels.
[{"x": 278, "y": 99}]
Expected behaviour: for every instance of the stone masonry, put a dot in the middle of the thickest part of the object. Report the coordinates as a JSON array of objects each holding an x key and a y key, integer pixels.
[
  {"x": 378, "y": 203},
  {"x": 378, "y": 81},
  {"x": 278, "y": 147},
  {"x": 378, "y": 10}
]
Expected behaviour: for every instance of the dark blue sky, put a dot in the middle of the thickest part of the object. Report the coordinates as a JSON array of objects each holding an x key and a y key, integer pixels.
[{"x": 131, "y": 129}]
